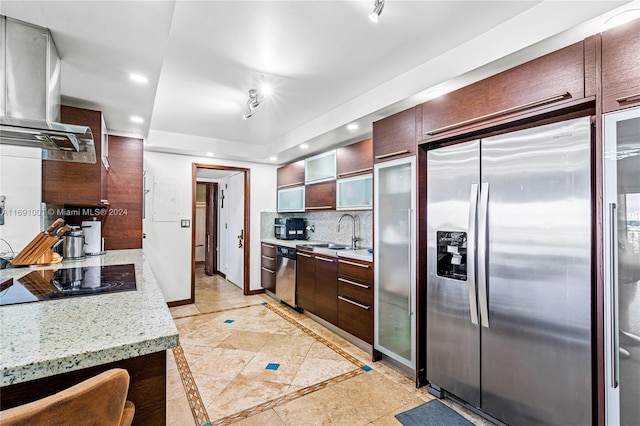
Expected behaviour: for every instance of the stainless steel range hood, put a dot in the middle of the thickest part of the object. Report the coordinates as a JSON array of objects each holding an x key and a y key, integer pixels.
[{"x": 30, "y": 96}]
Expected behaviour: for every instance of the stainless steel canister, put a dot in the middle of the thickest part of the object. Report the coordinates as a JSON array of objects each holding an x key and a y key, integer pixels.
[{"x": 73, "y": 241}]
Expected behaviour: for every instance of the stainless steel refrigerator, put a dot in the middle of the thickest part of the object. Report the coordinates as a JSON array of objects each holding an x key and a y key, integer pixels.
[{"x": 509, "y": 273}]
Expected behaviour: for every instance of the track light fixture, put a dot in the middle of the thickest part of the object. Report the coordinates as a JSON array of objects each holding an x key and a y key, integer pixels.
[
  {"x": 255, "y": 98},
  {"x": 377, "y": 10}
]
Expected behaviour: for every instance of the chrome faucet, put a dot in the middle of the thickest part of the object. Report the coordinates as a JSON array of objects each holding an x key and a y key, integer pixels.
[{"x": 354, "y": 239}]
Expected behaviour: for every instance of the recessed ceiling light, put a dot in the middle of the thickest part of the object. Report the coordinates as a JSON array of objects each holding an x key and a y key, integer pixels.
[
  {"x": 137, "y": 119},
  {"x": 209, "y": 154},
  {"x": 273, "y": 158},
  {"x": 352, "y": 126},
  {"x": 304, "y": 146},
  {"x": 138, "y": 78}
]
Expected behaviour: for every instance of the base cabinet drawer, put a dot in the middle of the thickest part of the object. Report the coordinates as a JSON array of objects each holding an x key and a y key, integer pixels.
[
  {"x": 355, "y": 290},
  {"x": 356, "y": 318},
  {"x": 359, "y": 270},
  {"x": 268, "y": 279}
]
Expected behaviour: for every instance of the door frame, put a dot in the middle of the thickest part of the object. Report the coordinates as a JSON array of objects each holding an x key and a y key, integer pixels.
[{"x": 247, "y": 230}]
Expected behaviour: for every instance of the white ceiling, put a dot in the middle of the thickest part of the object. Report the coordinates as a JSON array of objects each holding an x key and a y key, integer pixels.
[{"x": 327, "y": 63}]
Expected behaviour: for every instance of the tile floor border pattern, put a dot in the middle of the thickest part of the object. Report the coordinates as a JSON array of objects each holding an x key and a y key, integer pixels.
[
  {"x": 198, "y": 409},
  {"x": 218, "y": 311},
  {"x": 300, "y": 392}
]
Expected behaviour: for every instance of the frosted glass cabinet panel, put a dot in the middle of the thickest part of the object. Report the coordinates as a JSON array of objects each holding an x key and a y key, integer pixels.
[
  {"x": 320, "y": 167},
  {"x": 394, "y": 259},
  {"x": 291, "y": 199},
  {"x": 355, "y": 193},
  {"x": 622, "y": 265}
]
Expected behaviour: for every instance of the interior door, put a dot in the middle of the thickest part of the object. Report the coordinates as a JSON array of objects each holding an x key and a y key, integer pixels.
[
  {"x": 234, "y": 200},
  {"x": 534, "y": 274},
  {"x": 622, "y": 266},
  {"x": 453, "y": 334}
]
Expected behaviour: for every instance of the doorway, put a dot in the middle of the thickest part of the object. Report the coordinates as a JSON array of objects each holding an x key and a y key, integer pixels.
[{"x": 226, "y": 240}]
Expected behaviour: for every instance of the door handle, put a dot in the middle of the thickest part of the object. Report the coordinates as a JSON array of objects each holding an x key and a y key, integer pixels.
[
  {"x": 240, "y": 238},
  {"x": 613, "y": 295},
  {"x": 471, "y": 254},
  {"x": 482, "y": 254}
]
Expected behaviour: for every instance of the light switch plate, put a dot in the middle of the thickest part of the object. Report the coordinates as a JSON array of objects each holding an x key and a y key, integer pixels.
[{"x": 185, "y": 223}]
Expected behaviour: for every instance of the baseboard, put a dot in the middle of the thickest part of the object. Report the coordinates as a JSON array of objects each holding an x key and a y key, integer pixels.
[
  {"x": 179, "y": 303},
  {"x": 253, "y": 292}
]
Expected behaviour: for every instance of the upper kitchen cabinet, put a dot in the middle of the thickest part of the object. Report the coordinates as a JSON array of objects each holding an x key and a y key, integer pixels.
[
  {"x": 80, "y": 184},
  {"x": 621, "y": 67},
  {"x": 355, "y": 159},
  {"x": 320, "y": 168},
  {"x": 320, "y": 196},
  {"x": 291, "y": 187},
  {"x": 553, "y": 81},
  {"x": 291, "y": 175},
  {"x": 395, "y": 136}
]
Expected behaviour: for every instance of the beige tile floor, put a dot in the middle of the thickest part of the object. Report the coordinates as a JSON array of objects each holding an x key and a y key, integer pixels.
[{"x": 228, "y": 339}]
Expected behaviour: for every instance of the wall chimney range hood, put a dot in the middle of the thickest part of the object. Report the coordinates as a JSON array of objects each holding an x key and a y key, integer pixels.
[{"x": 30, "y": 95}]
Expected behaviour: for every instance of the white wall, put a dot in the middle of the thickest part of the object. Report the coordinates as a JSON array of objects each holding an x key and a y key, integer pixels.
[
  {"x": 21, "y": 183},
  {"x": 167, "y": 247}
]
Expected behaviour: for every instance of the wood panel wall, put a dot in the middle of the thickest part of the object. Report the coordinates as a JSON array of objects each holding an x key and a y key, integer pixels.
[{"x": 122, "y": 227}]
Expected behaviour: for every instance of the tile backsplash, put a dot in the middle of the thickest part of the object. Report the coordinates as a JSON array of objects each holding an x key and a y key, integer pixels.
[{"x": 326, "y": 226}]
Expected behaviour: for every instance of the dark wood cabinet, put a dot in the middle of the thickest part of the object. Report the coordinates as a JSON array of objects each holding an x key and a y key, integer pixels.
[
  {"x": 291, "y": 174},
  {"x": 549, "y": 82},
  {"x": 77, "y": 184},
  {"x": 395, "y": 136},
  {"x": 306, "y": 281},
  {"x": 621, "y": 67},
  {"x": 326, "y": 288},
  {"x": 355, "y": 159},
  {"x": 320, "y": 196},
  {"x": 355, "y": 298},
  {"x": 122, "y": 226},
  {"x": 268, "y": 267}
]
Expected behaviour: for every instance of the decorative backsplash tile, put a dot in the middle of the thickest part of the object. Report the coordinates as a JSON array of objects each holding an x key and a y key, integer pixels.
[{"x": 326, "y": 226}]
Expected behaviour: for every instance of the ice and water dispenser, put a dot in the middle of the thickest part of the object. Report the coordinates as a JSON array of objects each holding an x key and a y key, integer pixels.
[{"x": 452, "y": 255}]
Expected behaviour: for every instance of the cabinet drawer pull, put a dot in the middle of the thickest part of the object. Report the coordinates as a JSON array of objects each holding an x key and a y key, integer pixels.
[
  {"x": 318, "y": 208},
  {"x": 540, "y": 102},
  {"x": 344, "y": 299},
  {"x": 268, "y": 245},
  {"x": 303, "y": 254},
  {"x": 268, "y": 270},
  {"x": 356, "y": 171},
  {"x": 290, "y": 184},
  {"x": 267, "y": 257},
  {"x": 354, "y": 264},
  {"x": 391, "y": 154},
  {"x": 325, "y": 259},
  {"x": 353, "y": 283},
  {"x": 631, "y": 98}
]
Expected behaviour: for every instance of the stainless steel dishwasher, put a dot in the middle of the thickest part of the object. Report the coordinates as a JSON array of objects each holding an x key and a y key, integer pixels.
[{"x": 286, "y": 275}]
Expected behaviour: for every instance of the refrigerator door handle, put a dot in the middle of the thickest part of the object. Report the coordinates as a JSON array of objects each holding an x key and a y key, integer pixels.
[
  {"x": 613, "y": 310},
  {"x": 410, "y": 233},
  {"x": 471, "y": 254},
  {"x": 482, "y": 254}
]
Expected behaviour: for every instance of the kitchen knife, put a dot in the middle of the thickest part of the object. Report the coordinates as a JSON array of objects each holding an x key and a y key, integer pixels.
[{"x": 58, "y": 222}]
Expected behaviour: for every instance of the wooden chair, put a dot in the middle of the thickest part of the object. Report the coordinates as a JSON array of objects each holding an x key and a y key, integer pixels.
[{"x": 100, "y": 400}]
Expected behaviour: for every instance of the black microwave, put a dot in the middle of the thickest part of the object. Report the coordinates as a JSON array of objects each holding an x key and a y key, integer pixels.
[{"x": 290, "y": 228}]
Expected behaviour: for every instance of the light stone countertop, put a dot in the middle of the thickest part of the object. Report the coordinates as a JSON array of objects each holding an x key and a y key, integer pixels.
[
  {"x": 41, "y": 339},
  {"x": 360, "y": 254}
]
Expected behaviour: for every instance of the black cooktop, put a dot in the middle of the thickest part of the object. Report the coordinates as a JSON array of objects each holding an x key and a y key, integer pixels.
[{"x": 43, "y": 285}]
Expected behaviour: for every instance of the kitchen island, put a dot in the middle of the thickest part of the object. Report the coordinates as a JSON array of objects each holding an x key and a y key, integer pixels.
[{"x": 50, "y": 345}]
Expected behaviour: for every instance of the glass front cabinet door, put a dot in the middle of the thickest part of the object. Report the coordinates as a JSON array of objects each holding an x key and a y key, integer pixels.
[
  {"x": 355, "y": 193},
  {"x": 291, "y": 199},
  {"x": 320, "y": 168},
  {"x": 622, "y": 265}
]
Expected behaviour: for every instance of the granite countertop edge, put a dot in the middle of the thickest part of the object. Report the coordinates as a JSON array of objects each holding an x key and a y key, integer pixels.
[{"x": 41, "y": 339}]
